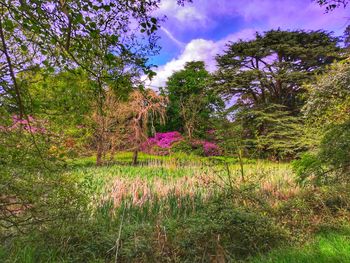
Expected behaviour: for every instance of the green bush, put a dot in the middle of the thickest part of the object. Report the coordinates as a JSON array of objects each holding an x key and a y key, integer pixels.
[
  {"x": 331, "y": 163},
  {"x": 335, "y": 150},
  {"x": 181, "y": 147},
  {"x": 309, "y": 169}
]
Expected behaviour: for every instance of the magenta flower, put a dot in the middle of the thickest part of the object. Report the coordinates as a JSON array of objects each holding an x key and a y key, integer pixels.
[
  {"x": 162, "y": 140},
  {"x": 30, "y": 124}
]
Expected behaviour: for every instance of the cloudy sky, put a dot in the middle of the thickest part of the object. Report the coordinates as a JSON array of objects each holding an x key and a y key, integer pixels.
[{"x": 200, "y": 30}]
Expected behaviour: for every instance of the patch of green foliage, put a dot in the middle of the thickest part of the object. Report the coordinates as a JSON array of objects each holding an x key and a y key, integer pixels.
[
  {"x": 240, "y": 222},
  {"x": 327, "y": 246}
]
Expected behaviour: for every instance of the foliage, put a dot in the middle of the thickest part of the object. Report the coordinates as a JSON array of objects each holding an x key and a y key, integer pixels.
[
  {"x": 34, "y": 192},
  {"x": 65, "y": 109},
  {"x": 162, "y": 142},
  {"x": 124, "y": 123},
  {"x": 265, "y": 76},
  {"x": 266, "y": 132},
  {"x": 332, "y": 4},
  {"x": 191, "y": 100},
  {"x": 328, "y": 110},
  {"x": 309, "y": 167},
  {"x": 173, "y": 142},
  {"x": 272, "y": 68},
  {"x": 235, "y": 224},
  {"x": 328, "y": 246},
  {"x": 329, "y": 97}
]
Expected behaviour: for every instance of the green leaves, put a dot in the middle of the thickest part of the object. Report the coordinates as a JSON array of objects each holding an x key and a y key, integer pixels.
[
  {"x": 8, "y": 25},
  {"x": 273, "y": 67},
  {"x": 149, "y": 26},
  {"x": 24, "y": 48},
  {"x": 107, "y": 8}
]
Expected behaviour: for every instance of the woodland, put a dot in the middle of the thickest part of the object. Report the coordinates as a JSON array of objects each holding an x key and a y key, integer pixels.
[{"x": 249, "y": 163}]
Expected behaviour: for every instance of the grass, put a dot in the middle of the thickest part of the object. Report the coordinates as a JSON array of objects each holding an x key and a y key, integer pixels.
[
  {"x": 326, "y": 247},
  {"x": 167, "y": 182},
  {"x": 189, "y": 209}
]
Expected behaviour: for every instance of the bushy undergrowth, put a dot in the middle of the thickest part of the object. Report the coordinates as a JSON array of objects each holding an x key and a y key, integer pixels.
[
  {"x": 221, "y": 219},
  {"x": 330, "y": 245}
]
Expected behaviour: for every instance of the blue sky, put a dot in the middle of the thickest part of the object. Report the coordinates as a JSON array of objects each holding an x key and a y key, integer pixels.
[{"x": 200, "y": 30}]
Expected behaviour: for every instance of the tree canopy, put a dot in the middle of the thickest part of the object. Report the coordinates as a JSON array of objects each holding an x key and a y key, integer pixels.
[
  {"x": 192, "y": 101},
  {"x": 272, "y": 67}
]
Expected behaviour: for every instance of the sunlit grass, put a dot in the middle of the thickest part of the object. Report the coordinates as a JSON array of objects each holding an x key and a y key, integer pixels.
[
  {"x": 165, "y": 185},
  {"x": 332, "y": 246}
]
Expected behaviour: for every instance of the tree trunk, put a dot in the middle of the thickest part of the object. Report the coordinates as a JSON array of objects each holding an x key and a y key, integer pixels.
[
  {"x": 12, "y": 73},
  {"x": 101, "y": 123},
  {"x": 99, "y": 151},
  {"x": 134, "y": 157},
  {"x": 240, "y": 157}
]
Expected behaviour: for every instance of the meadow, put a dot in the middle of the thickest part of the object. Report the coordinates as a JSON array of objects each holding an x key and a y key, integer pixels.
[{"x": 183, "y": 208}]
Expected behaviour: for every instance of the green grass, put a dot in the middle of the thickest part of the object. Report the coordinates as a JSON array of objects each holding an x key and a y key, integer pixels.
[
  {"x": 329, "y": 247},
  {"x": 189, "y": 209}
]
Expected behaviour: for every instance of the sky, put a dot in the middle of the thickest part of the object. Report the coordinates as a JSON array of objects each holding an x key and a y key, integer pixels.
[{"x": 201, "y": 30}]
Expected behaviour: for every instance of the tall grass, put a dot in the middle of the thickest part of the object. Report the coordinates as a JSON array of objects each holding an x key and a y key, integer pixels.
[
  {"x": 186, "y": 209},
  {"x": 176, "y": 185}
]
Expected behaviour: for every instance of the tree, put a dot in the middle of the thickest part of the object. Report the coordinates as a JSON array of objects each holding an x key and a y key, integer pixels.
[
  {"x": 145, "y": 107},
  {"x": 347, "y": 37},
  {"x": 61, "y": 33},
  {"x": 108, "y": 40},
  {"x": 278, "y": 134},
  {"x": 327, "y": 110},
  {"x": 265, "y": 76},
  {"x": 272, "y": 67},
  {"x": 332, "y": 4},
  {"x": 126, "y": 122},
  {"x": 328, "y": 102},
  {"x": 192, "y": 102}
]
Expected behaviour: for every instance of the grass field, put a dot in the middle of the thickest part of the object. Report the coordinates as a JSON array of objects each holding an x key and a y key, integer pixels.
[{"x": 190, "y": 209}]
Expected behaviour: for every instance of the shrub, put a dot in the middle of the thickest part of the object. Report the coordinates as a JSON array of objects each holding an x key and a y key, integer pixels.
[
  {"x": 309, "y": 169},
  {"x": 164, "y": 143},
  {"x": 161, "y": 142},
  {"x": 182, "y": 146},
  {"x": 331, "y": 163}
]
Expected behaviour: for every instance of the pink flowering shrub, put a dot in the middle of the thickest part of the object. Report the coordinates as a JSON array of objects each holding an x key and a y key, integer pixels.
[
  {"x": 167, "y": 142},
  {"x": 29, "y": 124},
  {"x": 161, "y": 143},
  {"x": 210, "y": 148},
  {"x": 206, "y": 148}
]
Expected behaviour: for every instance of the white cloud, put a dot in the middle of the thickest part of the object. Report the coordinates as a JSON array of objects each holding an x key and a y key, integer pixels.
[
  {"x": 197, "y": 50},
  {"x": 191, "y": 15},
  {"x": 172, "y": 37},
  {"x": 264, "y": 14}
]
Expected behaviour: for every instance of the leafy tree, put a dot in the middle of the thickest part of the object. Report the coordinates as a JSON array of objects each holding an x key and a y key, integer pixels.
[
  {"x": 108, "y": 40},
  {"x": 327, "y": 110},
  {"x": 347, "y": 37},
  {"x": 328, "y": 103},
  {"x": 144, "y": 107},
  {"x": 192, "y": 102},
  {"x": 265, "y": 76},
  {"x": 332, "y": 4},
  {"x": 272, "y": 67},
  {"x": 126, "y": 122},
  {"x": 278, "y": 134},
  {"x": 65, "y": 101}
]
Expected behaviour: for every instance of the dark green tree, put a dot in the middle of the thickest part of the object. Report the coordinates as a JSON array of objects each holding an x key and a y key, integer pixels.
[
  {"x": 192, "y": 102},
  {"x": 272, "y": 67},
  {"x": 266, "y": 77},
  {"x": 346, "y": 37}
]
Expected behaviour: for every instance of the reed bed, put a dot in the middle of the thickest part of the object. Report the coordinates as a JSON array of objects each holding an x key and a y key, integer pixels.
[{"x": 166, "y": 184}]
